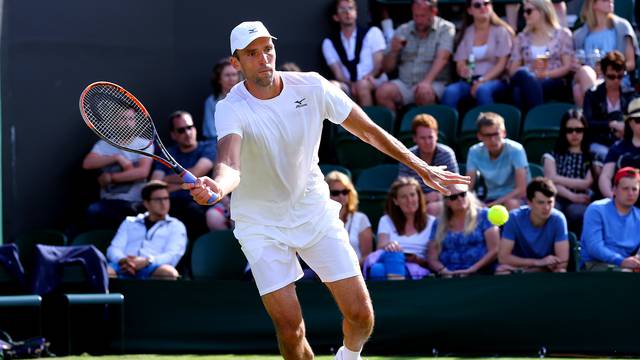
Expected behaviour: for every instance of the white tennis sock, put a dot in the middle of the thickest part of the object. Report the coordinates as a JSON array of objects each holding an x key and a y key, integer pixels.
[{"x": 346, "y": 354}]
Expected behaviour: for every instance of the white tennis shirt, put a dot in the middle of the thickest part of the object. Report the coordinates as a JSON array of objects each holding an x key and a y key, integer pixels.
[{"x": 281, "y": 183}]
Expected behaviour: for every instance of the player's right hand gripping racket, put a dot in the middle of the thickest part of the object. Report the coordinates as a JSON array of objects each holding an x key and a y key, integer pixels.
[{"x": 116, "y": 116}]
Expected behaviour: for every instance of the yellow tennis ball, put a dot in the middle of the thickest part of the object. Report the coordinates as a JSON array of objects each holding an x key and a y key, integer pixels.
[{"x": 498, "y": 215}]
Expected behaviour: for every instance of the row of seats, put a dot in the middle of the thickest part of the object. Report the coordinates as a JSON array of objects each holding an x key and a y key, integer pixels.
[
  {"x": 537, "y": 133},
  {"x": 214, "y": 255}
]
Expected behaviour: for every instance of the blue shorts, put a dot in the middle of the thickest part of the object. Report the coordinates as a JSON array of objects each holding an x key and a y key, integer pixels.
[{"x": 143, "y": 273}]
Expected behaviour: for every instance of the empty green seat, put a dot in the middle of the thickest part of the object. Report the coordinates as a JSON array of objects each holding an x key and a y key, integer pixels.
[
  {"x": 101, "y": 239},
  {"x": 217, "y": 255}
]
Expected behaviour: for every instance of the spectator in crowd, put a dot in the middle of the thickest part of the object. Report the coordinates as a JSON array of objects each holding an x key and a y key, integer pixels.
[
  {"x": 541, "y": 57},
  {"x": 610, "y": 235},
  {"x": 559, "y": 6},
  {"x": 569, "y": 167},
  {"x": 602, "y": 32},
  {"x": 606, "y": 105},
  {"x": 502, "y": 163},
  {"x": 197, "y": 157},
  {"x": 425, "y": 135},
  {"x": 535, "y": 237},
  {"x": 463, "y": 241},
  {"x": 481, "y": 57},
  {"x": 629, "y": 146},
  {"x": 357, "y": 224},
  {"x": 354, "y": 54},
  {"x": 150, "y": 244},
  {"x": 420, "y": 51},
  {"x": 406, "y": 226},
  {"x": 223, "y": 77},
  {"x": 122, "y": 175}
]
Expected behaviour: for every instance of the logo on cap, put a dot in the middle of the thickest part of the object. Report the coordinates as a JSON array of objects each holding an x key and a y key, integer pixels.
[{"x": 253, "y": 30}]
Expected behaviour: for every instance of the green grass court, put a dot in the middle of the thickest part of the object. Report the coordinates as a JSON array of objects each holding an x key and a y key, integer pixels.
[{"x": 275, "y": 357}]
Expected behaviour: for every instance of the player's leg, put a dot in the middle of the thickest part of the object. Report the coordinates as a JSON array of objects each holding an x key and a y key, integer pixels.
[
  {"x": 275, "y": 268},
  {"x": 354, "y": 302},
  {"x": 284, "y": 309},
  {"x": 336, "y": 263}
]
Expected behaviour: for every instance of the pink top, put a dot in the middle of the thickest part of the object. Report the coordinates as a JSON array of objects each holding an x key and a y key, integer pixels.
[
  {"x": 561, "y": 44},
  {"x": 498, "y": 44}
]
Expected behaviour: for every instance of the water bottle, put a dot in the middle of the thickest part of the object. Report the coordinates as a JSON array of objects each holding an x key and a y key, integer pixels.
[
  {"x": 471, "y": 64},
  {"x": 581, "y": 56},
  {"x": 595, "y": 58}
]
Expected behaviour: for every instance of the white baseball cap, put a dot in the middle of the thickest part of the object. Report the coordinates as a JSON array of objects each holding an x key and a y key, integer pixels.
[{"x": 244, "y": 33}]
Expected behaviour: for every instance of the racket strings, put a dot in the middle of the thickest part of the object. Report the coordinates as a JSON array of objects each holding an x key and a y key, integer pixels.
[{"x": 118, "y": 118}]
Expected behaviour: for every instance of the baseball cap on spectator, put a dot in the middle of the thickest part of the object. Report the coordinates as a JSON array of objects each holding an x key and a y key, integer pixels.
[
  {"x": 624, "y": 172},
  {"x": 244, "y": 33}
]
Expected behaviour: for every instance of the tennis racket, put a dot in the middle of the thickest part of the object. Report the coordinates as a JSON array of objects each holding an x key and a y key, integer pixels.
[{"x": 116, "y": 116}]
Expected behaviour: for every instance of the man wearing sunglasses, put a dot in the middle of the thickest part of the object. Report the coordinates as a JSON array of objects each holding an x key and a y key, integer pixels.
[
  {"x": 605, "y": 105},
  {"x": 628, "y": 147},
  {"x": 610, "y": 234},
  {"x": 197, "y": 157},
  {"x": 535, "y": 238}
]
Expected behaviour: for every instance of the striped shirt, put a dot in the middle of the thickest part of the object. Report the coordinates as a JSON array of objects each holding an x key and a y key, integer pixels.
[{"x": 443, "y": 155}]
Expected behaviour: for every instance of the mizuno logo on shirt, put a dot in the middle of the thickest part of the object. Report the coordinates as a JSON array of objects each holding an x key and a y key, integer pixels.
[{"x": 300, "y": 103}]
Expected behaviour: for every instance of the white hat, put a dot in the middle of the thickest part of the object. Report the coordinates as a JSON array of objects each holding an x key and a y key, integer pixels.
[{"x": 243, "y": 34}]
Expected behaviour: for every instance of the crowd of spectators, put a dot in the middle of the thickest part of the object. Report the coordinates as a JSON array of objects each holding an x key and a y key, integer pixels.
[{"x": 474, "y": 59}]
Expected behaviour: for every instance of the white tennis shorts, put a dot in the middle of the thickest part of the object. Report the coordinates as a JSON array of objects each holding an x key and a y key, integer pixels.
[{"x": 271, "y": 252}]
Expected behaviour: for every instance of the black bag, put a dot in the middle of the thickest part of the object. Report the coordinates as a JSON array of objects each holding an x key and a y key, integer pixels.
[{"x": 28, "y": 349}]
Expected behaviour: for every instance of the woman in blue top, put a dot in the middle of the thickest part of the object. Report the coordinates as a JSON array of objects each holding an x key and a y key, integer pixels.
[
  {"x": 223, "y": 78},
  {"x": 601, "y": 33},
  {"x": 463, "y": 241}
]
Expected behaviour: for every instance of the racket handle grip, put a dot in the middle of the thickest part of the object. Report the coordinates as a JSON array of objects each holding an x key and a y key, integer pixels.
[{"x": 188, "y": 177}]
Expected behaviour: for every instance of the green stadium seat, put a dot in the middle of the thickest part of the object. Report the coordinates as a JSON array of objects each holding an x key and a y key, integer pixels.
[
  {"x": 373, "y": 186},
  {"x": 101, "y": 239},
  {"x": 541, "y": 128},
  {"x": 468, "y": 131},
  {"x": 327, "y": 168},
  {"x": 381, "y": 116},
  {"x": 536, "y": 170},
  {"x": 217, "y": 255},
  {"x": 574, "y": 253},
  {"x": 446, "y": 117},
  {"x": 354, "y": 153},
  {"x": 624, "y": 9}
]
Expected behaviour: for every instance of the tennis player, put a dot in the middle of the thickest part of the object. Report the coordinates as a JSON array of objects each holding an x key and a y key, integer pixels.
[{"x": 269, "y": 129}]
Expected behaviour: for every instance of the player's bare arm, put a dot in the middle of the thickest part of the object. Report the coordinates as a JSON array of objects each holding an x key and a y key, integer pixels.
[
  {"x": 359, "y": 124},
  {"x": 226, "y": 172}
]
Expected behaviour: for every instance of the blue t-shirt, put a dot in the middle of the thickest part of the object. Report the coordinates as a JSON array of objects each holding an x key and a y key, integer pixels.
[
  {"x": 498, "y": 174},
  {"x": 604, "y": 41},
  {"x": 533, "y": 242},
  {"x": 608, "y": 236},
  {"x": 459, "y": 250},
  {"x": 620, "y": 148},
  {"x": 205, "y": 149}
]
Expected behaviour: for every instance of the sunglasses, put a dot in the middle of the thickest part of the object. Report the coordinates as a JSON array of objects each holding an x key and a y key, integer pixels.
[
  {"x": 160, "y": 199},
  {"x": 635, "y": 119},
  {"x": 577, "y": 130},
  {"x": 455, "y": 196},
  {"x": 478, "y": 5},
  {"x": 528, "y": 11},
  {"x": 182, "y": 130},
  {"x": 344, "y": 192},
  {"x": 614, "y": 76}
]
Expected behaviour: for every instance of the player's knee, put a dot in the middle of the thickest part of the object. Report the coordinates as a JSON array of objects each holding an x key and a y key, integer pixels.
[
  {"x": 290, "y": 330},
  {"x": 361, "y": 315}
]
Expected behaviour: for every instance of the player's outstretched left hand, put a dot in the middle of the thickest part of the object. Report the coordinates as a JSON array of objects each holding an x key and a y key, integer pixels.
[
  {"x": 202, "y": 189},
  {"x": 437, "y": 178}
]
